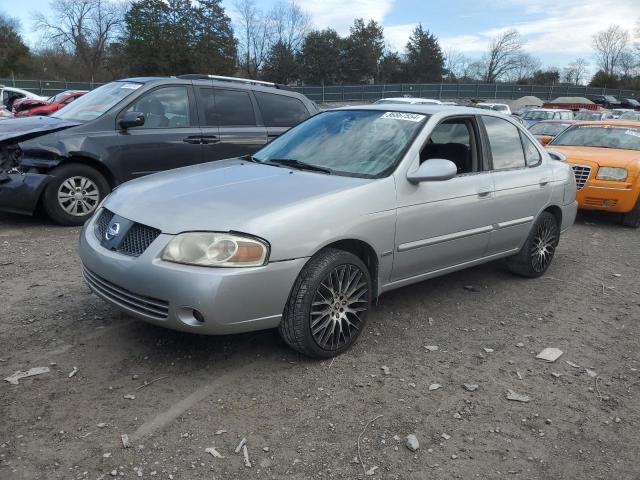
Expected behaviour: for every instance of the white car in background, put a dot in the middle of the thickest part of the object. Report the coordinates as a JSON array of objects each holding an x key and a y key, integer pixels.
[
  {"x": 498, "y": 107},
  {"x": 618, "y": 112},
  {"x": 8, "y": 95},
  {"x": 408, "y": 101}
]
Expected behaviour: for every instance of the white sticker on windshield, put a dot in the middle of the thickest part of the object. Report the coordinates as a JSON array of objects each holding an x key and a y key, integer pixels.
[
  {"x": 410, "y": 117},
  {"x": 632, "y": 132},
  {"x": 131, "y": 86}
]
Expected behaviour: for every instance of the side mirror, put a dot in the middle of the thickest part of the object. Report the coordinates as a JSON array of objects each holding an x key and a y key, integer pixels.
[
  {"x": 556, "y": 155},
  {"x": 433, "y": 170},
  {"x": 131, "y": 119},
  {"x": 545, "y": 139}
]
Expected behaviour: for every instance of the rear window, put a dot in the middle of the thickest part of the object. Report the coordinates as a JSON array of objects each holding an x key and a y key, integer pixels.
[
  {"x": 232, "y": 108},
  {"x": 280, "y": 110}
]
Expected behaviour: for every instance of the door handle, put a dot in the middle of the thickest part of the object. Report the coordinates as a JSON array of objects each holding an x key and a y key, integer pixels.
[
  {"x": 544, "y": 181},
  {"x": 210, "y": 139},
  {"x": 193, "y": 140}
]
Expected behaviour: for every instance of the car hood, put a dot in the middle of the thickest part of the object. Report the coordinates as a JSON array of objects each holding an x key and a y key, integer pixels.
[
  {"x": 30, "y": 127},
  {"x": 603, "y": 157},
  {"x": 230, "y": 195}
]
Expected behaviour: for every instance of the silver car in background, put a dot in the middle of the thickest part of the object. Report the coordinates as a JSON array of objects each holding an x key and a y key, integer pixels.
[{"x": 347, "y": 205}]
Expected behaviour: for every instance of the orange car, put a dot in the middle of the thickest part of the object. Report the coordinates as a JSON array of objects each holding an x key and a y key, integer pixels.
[{"x": 605, "y": 156}]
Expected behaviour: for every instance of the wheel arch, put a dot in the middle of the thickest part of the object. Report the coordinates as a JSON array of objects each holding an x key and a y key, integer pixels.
[
  {"x": 364, "y": 251},
  {"x": 556, "y": 212},
  {"x": 93, "y": 163}
]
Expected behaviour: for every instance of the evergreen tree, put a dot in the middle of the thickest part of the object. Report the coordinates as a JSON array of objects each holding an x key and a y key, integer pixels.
[
  {"x": 281, "y": 65},
  {"x": 14, "y": 54},
  {"x": 320, "y": 57},
  {"x": 424, "y": 57},
  {"x": 363, "y": 51}
]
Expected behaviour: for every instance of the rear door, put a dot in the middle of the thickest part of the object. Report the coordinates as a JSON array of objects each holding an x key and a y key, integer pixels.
[
  {"x": 169, "y": 138},
  {"x": 522, "y": 183},
  {"x": 234, "y": 116},
  {"x": 280, "y": 112}
]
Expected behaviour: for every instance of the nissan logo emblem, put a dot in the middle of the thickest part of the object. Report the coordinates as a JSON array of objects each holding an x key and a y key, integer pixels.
[{"x": 112, "y": 231}]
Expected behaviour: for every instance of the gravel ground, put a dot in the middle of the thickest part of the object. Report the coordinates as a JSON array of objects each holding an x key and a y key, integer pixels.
[{"x": 302, "y": 418}]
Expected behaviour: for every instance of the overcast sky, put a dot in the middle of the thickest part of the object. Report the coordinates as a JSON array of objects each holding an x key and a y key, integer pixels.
[{"x": 557, "y": 31}]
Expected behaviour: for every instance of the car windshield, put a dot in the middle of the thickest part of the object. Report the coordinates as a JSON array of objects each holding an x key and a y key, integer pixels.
[
  {"x": 360, "y": 143},
  {"x": 56, "y": 98},
  {"x": 538, "y": 115},
  {"x": 605, "y": 136},
  {"x": 95, "y": 103},
  {"x": 630, "y": 116},
  {"x": 588, "y": 116},
  {"x": 552, "y": 129}
]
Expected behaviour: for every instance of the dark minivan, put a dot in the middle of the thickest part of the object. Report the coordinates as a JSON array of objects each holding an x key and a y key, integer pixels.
[{"x": 70, "y": 161}]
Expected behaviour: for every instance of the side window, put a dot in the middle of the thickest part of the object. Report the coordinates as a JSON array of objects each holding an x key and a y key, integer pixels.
[
  {"x": 208, "y": 107},
  {"x": 166, "y": 107},
  {"x": 453, "y": 140},
  {"x": 505, "y": 143},
  {"x": 233, "y": 108},
  {"x": 531, "y": 153},
  {"x": 280, "y": 110}
]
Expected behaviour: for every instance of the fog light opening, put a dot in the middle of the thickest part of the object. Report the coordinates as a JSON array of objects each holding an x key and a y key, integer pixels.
[
  {"x": 198, "y": 316},
  {"x": 190, "y": 316}
]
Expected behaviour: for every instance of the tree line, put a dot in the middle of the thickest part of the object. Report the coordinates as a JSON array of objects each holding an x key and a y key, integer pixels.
[{"x": 101, "y": 40}]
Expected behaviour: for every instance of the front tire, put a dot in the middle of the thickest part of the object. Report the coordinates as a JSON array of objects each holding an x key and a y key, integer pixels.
[
  {"x": 537, "y": 253},
  {"x": 74, "y": 193},
  {"x": 328, "y": 305},
  {"x": 632, "y": 218}
]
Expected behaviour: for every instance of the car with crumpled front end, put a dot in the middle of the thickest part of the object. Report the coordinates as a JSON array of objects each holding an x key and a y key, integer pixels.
[
  {"x": 304, "y": 234},
  {"x": 605, "y": 157}
]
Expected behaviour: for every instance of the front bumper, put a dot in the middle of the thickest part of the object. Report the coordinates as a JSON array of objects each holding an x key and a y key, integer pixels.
[
  {"x": 182, "y": 297},
  {"x": 620, "y": 197},
  {"x": 569, "y": 212},
  {"x": 21, "y": 192}
]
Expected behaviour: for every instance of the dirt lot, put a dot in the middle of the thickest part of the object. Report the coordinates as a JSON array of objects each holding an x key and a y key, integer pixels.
[{"x": 302, "y": 418}]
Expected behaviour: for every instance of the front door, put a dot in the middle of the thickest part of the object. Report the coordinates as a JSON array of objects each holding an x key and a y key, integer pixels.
[
  {"x": 522, "y": 183},
  {"x": 448, "y": 223},
  {"x": 169, "y": 138}
]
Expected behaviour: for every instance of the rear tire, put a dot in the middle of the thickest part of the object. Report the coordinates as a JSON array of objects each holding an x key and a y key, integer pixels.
[
  {"x": 632, "y": 218},
  {"x": 74, "y": 193},
  {"x": 328, "y": 305},
  {"x": 537, "y": 253}
]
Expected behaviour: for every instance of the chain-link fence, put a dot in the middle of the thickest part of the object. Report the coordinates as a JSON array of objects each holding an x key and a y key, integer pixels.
[{"x": 350, "y": 93}]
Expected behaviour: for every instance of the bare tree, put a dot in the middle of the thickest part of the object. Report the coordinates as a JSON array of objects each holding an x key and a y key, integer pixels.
[
  {"x": 576, "y": 71},
  {"x": 609, "y": 46},
  {"x": 85, "y": 27},
  {"x": 524, "y": 67},
  {"x": 254, "y": 35},
  {"x": 504, "y": 56},
  {"x": 627, "y": 64},
  {"x": 289, "y": 24},
  {"x": 454, "y": 63}
]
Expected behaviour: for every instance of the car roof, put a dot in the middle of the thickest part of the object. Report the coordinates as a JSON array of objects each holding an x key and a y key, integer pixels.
[
  {"x": 239, "y": 84},
  {"x": 621, "y": 123},
  {"x": 549, "y": 110},
  {"x": 426, "y": 109}
]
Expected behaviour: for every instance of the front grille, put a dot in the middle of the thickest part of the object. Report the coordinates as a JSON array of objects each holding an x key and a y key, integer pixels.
[
  {"x": 126, "y": 299},
  {"x": 103, "y": 222},
  {"x": 138, "y": 238},
  {"x": 135, "y": 241},
  {"x": 582, "y": 173}
]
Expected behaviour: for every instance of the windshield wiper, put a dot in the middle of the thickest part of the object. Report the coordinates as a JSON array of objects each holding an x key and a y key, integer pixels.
[
  {"x": 298, "y": 164},
  {"x": 250, "y": 158}
]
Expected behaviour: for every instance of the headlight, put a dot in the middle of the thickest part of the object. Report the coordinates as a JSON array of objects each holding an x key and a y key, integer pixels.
[
  {"x": 611, "y": 173},
  {"x": 211, "y": 249}
]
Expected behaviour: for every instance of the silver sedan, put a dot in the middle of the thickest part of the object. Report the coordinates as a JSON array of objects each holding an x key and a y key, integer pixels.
[{"x": 306, "y": 233}]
